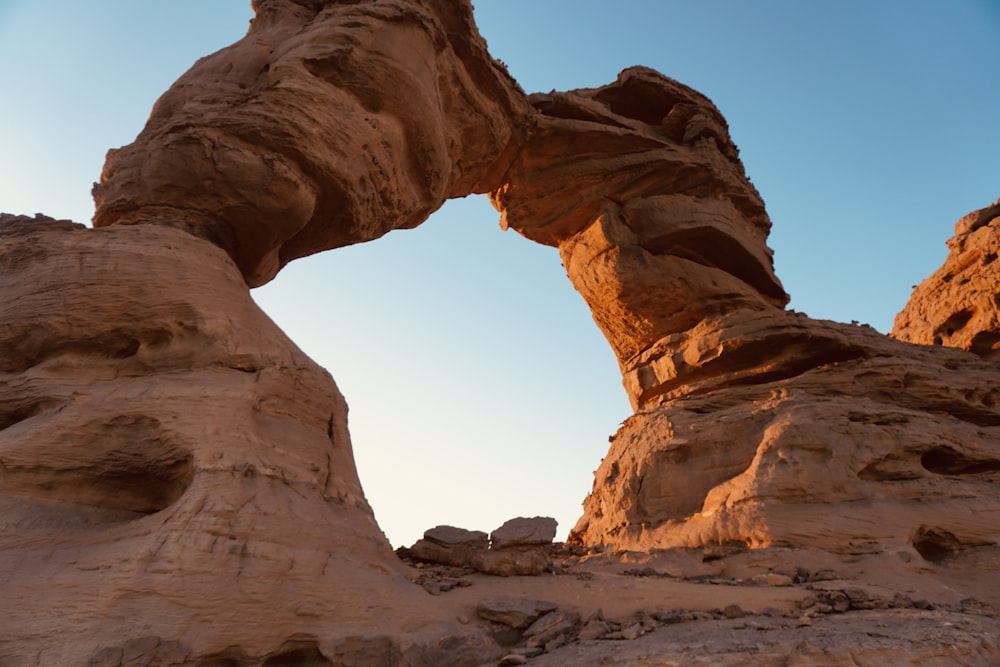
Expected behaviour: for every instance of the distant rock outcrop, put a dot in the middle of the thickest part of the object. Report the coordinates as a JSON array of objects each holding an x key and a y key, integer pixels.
[
  {"x": 959, "y": 305},
  {"x": 517, "y": 548}
]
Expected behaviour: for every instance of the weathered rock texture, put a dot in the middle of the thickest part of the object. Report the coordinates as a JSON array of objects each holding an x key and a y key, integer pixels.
[
  {"x": 330, "y": 123},
  {"x": 173, "y": 470},
  {"x": 959, "y": 305},
  {"x": 177, "y": 485},
  {"x": 753, "y": 424},
  {"x": 162, "y": 442},
  {"x": 658, "y": 227},
  {"x": 517, "y": 548}
]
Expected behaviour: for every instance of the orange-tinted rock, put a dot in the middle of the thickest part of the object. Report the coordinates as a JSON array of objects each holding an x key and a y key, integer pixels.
[
  {"x": 176, "y": 479},
  {"x": 959, "y": 305},
  {"x": 753, "y": 424},
  {"x": 522, "y": 562},
  {"x": 642, "y": 190},
  {"x": 524, "y": 532},
  {"x": 329, "y": 124},
  {"x": 449, "y": 545},
  {"x": 868, "y": 454}
]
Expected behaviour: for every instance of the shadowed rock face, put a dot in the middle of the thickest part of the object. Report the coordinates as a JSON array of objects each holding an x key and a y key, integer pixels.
[
  {"x": 330, "y": 123},
  {"x": 163, "y": 443}
]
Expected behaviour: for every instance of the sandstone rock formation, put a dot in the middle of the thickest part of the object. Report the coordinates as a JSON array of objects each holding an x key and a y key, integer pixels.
[
  {"x": 524, "y": 532},
  {"x": 449, "y": 545},
  {"x": 753, "y": 424},
  {"x": 177, "y": 485},
  {"x": 359, "y": 117},
  {"x": 168, "y": 455},
  {"x": 161, "y": 439},
  {"x": 657, "y": 225},
  {"x": 959, "y": 305}
]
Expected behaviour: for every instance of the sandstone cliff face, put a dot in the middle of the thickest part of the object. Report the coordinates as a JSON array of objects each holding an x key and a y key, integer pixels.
[
  {"x": 162, "y": 441},
  {"x": 360, "y": 118},
  {"x": 959, "y": 305},
  {"x": 176, "y": 479}
]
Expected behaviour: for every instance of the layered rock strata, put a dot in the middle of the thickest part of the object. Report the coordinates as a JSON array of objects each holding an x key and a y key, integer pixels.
[
  {"x": 959, "y": 305},
  {"x": 753, "y": 424},
  {"x": 173, "y": 470},
  {"x": 640, "y": 187}
]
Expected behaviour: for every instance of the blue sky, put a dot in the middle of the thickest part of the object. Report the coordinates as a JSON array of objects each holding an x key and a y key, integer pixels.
[{"x": 479, "y": 387}]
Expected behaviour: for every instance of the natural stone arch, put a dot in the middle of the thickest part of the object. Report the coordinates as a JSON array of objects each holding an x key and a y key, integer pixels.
[
  {"x": 347, "y": 155},
  {"x": 637, "y": 182},
  {"x": 354, "y": 142},
  {"x": 753, "y": 424}
]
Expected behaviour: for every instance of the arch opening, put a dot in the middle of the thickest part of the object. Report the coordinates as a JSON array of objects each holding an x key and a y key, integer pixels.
[{"x": 479, "y": 387}]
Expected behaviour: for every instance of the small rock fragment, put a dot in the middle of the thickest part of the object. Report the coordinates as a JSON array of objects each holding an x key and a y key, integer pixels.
[
  {"x": 593, "y": 629},
  {"x": 633, "y": 631},
  {"x": 671, "y": 617},
  {"x": 734, "y": 611}
]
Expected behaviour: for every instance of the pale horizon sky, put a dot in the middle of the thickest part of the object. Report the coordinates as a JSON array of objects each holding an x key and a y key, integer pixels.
[{"x": 479, "y": 387}]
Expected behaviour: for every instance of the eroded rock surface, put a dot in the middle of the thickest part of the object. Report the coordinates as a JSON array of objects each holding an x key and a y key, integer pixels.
[
  {"x": 753, "y": 424},
  {"x": 360, "y": 118},
  {"x": 656, "y": 223},
  {"x": 959, "y": 305},
  {"x": 173, "y": 470},
  {"x": 177, "y": 485}
]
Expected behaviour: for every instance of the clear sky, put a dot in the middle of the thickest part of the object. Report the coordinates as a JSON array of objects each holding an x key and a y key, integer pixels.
[{"x": 479, "y": 387}]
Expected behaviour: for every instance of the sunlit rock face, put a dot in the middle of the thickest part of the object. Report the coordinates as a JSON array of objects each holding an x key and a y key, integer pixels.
[
  {"x": 958, "y": 305},
  {"x": 330, "y": 123},
  {"x": 753, "y": 424},
  {"x": 642, "y": 190}
]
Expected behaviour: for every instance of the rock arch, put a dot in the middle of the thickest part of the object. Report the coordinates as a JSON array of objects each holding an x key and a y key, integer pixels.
[
  {"x": 330, "y": 124},
  {"x": 637, "y": 183}
]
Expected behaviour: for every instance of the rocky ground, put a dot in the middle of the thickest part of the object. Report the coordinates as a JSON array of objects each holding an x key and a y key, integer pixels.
[{"x": 733, "y": 606}]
